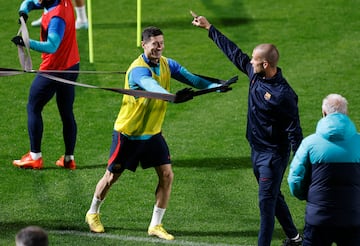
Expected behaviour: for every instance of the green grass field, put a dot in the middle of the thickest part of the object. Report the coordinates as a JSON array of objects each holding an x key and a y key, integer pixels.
[{"x": 214, "y": 199}]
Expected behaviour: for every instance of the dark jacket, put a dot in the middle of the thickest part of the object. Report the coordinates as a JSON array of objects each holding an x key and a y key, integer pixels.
[
  {"x": 326, "y": 172},
  {"x": 273, "y": 123}
]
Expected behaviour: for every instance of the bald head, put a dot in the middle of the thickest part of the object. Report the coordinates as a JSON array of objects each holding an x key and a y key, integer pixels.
[{"x": 269, "y": 53}]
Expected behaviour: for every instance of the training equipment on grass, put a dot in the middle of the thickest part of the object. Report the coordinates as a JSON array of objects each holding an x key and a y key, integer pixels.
[
  {"x": 90, "y": 28},
  {"x": 138, "y": 23},
  {"x": 137, "y": 93},
  {"x": 26, "y": 64},
  {"x": 13, "y": 71},
  {"x": 224, "y": 87},
  {"x": 90, "y": 32}
]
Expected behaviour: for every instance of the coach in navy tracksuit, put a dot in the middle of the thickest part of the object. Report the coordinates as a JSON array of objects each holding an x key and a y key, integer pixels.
[
  {"x": 326, "y": 172},
  {"x": 273, "y": 128}
]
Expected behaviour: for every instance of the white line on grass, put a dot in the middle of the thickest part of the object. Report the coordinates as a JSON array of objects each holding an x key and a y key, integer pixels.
[{"x": 137, "y": 239}]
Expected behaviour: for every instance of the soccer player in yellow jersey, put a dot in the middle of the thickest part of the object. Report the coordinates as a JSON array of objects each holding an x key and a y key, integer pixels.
[{"x": 137, "y": 134}]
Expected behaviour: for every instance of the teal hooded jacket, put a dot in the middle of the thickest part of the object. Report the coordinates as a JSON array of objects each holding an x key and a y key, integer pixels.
[{"x": 325, "y": 172}]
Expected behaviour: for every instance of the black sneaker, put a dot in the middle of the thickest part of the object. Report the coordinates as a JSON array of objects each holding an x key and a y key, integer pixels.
[{"x": 293, "y": 242}]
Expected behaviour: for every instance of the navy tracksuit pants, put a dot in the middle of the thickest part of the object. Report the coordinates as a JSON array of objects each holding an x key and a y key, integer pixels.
[
  {"x": 269, "y": 170},
  {"x": 41, "y": 91}
]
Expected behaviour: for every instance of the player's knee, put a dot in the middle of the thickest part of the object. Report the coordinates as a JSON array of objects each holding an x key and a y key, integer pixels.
[
  {"x": 111, "y": 178},
  {"x": 168, "y": 176}
]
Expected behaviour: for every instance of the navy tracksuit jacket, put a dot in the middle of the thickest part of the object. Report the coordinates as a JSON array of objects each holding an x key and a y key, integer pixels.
[
  {"x": 273, "y": 117},
  {"x": 273, "y": 128}
]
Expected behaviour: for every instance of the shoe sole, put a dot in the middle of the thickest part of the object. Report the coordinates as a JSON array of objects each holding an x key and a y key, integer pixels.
[
  {"x": 153, "y": 234},
  {"x": 27, "y": 166},
  {"x": 60, "y": 165}
]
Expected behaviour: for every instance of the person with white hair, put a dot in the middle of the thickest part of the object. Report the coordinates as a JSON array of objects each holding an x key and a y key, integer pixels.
[{"x": 325, "y": 172}]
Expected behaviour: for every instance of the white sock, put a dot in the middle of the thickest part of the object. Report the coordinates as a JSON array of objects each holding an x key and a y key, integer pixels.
[
  {"x": 68, "y": 158},
  {"x": 95, "y": 206},
  {"x": 157, "y": 216},
  {"x": 297, "y": 237},
  {"x": 81, "y": 14},
  {"x": 35, "y": 156}
]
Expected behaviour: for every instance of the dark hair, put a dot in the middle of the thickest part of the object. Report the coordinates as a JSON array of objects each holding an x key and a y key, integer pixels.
[
  {"x": 32, "y": 236},
  {"x": 149, "y": 32},
  {"x": 47, "y": 3}
]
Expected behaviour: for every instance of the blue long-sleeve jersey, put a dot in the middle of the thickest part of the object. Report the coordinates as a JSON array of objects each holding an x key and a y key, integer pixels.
[
  {"x": 140, "y": 77},
  {"x": 273, "y": 117},
  {"x": 56, "y": 28}
]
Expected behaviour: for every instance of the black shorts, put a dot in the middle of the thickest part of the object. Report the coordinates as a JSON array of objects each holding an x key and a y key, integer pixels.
[{"x": 126, "y": 153}]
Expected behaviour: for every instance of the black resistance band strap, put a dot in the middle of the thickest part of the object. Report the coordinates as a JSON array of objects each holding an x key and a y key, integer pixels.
[{"x": 136, "y": 93}]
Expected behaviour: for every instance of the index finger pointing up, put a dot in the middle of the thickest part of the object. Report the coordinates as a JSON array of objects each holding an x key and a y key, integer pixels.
[{"x": 193, "y": 14}]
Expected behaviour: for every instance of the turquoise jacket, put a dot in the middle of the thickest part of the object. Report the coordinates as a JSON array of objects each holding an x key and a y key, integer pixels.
[{"x": 325, "y": 171}]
